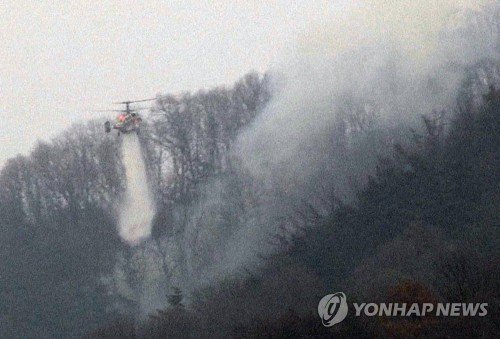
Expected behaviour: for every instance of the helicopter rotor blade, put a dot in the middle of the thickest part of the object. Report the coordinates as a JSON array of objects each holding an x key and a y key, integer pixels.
[
  {"x": 133, "y": 101},
  {"x": 110, "y": 110},
  {"x": 143, "y": 100},
  {"x": 135, "y": 109}
]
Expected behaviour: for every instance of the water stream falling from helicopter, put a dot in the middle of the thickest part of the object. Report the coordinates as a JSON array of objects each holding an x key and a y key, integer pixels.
[{"x": 137, "y": 209}]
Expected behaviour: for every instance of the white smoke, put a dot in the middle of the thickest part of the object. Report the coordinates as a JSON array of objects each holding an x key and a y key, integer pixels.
[
  {"x": 390, "y": 61},
  {"x": 137, "y": 210},
  {"x": 378, "y": 63}
]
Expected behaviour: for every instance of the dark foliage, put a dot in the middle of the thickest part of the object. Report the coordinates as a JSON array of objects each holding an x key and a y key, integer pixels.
[{"x": 424, "y": 229}]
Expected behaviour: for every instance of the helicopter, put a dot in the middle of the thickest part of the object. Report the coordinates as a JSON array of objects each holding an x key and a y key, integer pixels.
[{"x": 128, "y": 120}]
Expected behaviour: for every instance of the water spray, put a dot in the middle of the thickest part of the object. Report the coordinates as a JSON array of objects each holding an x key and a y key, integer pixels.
[{"x": 137, "y": 209}]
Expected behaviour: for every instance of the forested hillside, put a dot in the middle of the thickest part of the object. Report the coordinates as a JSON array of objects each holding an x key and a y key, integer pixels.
[
  {"x": 64, "y": 268},
  {"x": 424, "y": 221},
  {"x": 423, "y": 229},
  {"x": 356, "y": 170}
]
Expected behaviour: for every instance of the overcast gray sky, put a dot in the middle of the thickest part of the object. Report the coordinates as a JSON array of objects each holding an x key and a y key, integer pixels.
[{"x": 61, "y": 59}]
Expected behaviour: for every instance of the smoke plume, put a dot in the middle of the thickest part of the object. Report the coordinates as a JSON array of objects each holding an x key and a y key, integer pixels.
[
  {"x": 351, "y": 89},
  {"x": 372, "y": 66},
  {"x": 137, "y": 209}
]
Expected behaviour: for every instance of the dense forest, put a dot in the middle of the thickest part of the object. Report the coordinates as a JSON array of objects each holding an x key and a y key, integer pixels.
[
  {"x": 236, "y": 254},
  {"x": 65, "y": 270}
]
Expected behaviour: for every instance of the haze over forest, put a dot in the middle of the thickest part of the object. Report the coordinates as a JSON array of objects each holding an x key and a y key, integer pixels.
[{"x": 364, "y": 161}]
